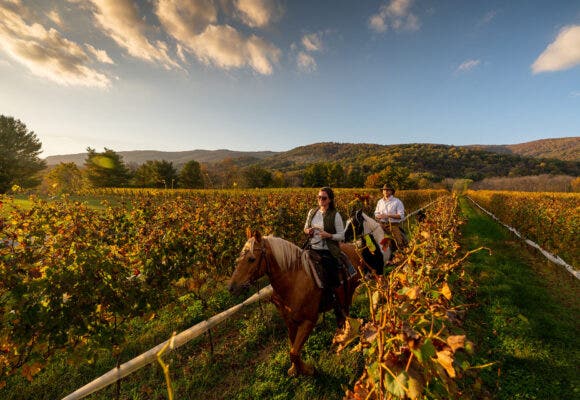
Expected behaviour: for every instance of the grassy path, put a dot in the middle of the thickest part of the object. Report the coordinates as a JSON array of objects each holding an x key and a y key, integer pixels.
[{"x": 526, "y": 315}]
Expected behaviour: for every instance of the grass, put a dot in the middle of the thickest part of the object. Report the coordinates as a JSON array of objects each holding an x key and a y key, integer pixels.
[
  {"x": 23, "y": 201},
  {"x": 250, "y": 360},
  {"x": 525, "y": 316}
]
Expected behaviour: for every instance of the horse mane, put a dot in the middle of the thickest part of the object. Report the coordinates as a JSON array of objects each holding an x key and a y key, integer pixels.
[{"x": 287, "y": 254}]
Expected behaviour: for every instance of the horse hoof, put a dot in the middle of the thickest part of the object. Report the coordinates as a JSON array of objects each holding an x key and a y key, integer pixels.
[{"x": 293, "y": 371}]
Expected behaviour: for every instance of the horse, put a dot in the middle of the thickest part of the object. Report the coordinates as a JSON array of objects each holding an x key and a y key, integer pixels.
[
  {"x": 296, "y": 295},
  {"x": 369, "y": 235}
]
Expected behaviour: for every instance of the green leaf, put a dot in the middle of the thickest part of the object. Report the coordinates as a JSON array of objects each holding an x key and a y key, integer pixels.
[
  {"x": 425, "y": 351},
  {"x": 397, "y": 386}
]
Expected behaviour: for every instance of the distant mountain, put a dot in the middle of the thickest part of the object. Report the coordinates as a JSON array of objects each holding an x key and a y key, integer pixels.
[
  {"x": 177, "y": 157},
  {"x": 567, "y": 149}
]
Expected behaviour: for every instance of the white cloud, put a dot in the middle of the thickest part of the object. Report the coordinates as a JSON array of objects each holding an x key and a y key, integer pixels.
[
  {"x": 46, "y": 53},
  {"x": 312, "y": 42},
  {"x": 194, "y": 25},
  {"x": 55, "y": 17},
  {"x": 100, "y": 55},
  {"x": 224, "y": 47},
  {"x": 395, "y": 15},
  {"x": 488, "y": 17},
  {"x": 378, "y": 23},
  {"x": 258, "y": 13},
  {"x": 575, "y": 93},
  {"x": 306, "y": 62},
  {"x": 185, "y": 19},
  {"x": 562, "y": 53},
  {"x": 468, "y": 65},
  {"x": 120, "y": 20}
]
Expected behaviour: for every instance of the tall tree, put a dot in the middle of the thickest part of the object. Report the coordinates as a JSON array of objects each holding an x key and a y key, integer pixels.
[
  {"x": 337, "y": 176},
  {"x": 106, "y": 169},
  {"x": 255, "y": 176},
  {"x": 155, "y": 173},
  {"x": 167, "y": 172},
  {"x": 356, "y": 177},
  {"x": 64, "y": 178},
  {"x": 316, "y": 175},
  {"x": 226, "y": 173},
  {"x": 19, "y": 150},
  {"x": 190, "y": 176},
  {"x": 146, "y": 175}
]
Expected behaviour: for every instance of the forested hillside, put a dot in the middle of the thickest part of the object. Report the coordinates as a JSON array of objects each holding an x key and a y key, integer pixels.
[
  {"x": 407, "y": 166},
  {"x": 441, "y": 161},
  {"x": 567, "y": 149}
]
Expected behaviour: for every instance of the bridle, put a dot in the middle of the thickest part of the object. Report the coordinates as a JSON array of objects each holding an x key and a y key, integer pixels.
[
  {"x": 261, "y": 257},
  {"x": 359, "y": 226}
]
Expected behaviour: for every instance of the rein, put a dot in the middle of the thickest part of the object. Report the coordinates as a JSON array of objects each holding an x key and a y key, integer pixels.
[{"x": 262, "y": 256}]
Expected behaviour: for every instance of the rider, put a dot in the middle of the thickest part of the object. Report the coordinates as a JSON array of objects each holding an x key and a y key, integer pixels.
[
  {"x": 390, "y": 212},
  {"x": 325, "y": 229}
]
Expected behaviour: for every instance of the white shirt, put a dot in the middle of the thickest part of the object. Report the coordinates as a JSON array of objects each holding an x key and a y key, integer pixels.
[
  {"x": 392, "y": 205},
  {"x": 318, "y": 222}
]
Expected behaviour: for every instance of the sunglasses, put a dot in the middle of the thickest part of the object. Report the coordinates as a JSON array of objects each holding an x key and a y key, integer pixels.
[{"x": 322, "y": 197}]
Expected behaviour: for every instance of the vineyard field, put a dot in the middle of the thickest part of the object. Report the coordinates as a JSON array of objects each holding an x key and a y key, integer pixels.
[
  {"x": 74, "y": 275},
  {"x": 93, "y": 284},
  {"x": 552, "y": 220}
]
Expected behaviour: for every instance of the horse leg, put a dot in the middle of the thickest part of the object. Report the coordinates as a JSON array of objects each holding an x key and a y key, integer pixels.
[{"x": 298, "y": 366}]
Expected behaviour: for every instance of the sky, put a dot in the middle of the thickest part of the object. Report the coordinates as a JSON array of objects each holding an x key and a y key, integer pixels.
[{"x": 254, "y": 75}]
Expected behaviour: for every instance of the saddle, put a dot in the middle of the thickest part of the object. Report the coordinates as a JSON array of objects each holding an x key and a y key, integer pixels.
[{"x": 316, "y": 271}]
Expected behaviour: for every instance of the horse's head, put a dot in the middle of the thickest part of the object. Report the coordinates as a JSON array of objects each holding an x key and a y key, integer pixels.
[
  {"x": 251, "y": 264},
  {"x": 354, "y": 226}
]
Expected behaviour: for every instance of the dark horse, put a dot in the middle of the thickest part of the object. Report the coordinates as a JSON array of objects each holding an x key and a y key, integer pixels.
[
  {"x": 369, "y": 237},
  {"x": 296, "y": 295}
]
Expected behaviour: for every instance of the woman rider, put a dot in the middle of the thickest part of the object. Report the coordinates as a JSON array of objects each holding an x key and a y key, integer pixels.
[{"x": 325, "y": 228}]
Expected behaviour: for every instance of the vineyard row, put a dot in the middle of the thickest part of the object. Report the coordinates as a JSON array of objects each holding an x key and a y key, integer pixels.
[{"x": 552, "y": 220}]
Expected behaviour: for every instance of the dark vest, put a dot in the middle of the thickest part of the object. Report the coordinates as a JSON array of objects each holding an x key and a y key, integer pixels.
[{"x": 328, "y": 218}]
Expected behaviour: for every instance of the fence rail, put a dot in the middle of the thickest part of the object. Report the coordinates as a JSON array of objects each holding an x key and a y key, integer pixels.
[
  {"x": 178, "y": 340},
  {"x": 553, "y": 258}
]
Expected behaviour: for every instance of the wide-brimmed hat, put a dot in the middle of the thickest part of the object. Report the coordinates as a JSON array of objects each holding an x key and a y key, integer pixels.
[{"x": 388, "y": 187}]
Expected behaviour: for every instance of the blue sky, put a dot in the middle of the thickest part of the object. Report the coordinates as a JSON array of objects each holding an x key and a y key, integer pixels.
[{"x": 249, "y": 75}]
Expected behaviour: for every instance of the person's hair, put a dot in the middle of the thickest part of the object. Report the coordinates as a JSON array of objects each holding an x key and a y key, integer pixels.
[{"x": 329, "y": 192}]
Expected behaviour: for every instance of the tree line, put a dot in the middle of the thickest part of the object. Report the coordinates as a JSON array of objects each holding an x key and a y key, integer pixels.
[{"x": 410, "y": 166}]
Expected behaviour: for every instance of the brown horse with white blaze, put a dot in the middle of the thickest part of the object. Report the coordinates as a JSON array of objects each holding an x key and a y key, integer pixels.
[{"x": 296, "y": 295}]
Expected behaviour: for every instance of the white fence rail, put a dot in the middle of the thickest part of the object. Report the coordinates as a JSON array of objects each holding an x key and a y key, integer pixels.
[
  {"x": 149, "y": 356},
  {"x": 555, "y": 259}
]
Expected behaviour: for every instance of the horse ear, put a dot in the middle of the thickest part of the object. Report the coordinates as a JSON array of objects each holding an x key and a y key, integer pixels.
[
  {"x": 258, "y": 236},
  {"x": 248, "y": 233}
]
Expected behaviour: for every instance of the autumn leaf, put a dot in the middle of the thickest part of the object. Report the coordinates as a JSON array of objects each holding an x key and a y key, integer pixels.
[
  {"x": 413, "y": 293},
  {"x": 28, "y": 371},
  {"x": 349, "y": 333},
  {"x": 446, "y": 291},
  {"x": 456, "y": 342},
  {"x": 369, "y": 332},
  {"x": 445, "y": 359}
]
